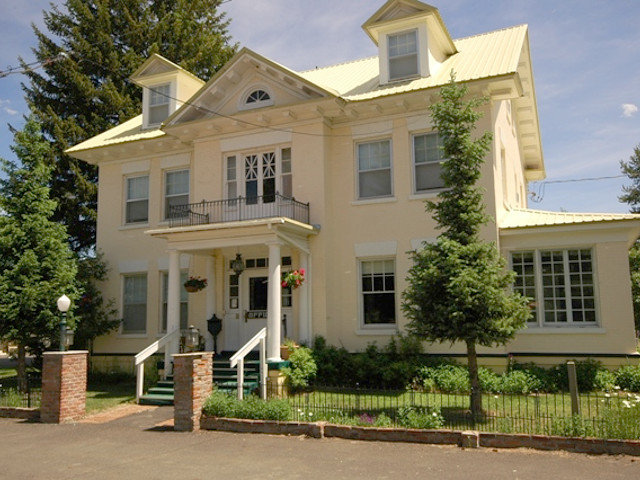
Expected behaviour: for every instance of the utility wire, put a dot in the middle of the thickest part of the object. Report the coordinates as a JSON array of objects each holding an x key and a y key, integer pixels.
[{"x": 538, "y": 196}]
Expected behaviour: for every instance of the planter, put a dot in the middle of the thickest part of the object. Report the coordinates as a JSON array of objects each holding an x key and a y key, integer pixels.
[
  {"x": 285, "y": 351},
  {"x": 191, "y": 289}
]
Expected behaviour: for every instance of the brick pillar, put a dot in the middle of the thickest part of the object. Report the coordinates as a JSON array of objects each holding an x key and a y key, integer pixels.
[
  {"x": 64, "y": 386},
  {"x": 193, "y": 383}
]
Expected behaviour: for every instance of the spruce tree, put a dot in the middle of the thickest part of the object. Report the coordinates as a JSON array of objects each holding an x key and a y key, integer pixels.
[
  {"x": 36, "y": 263},
  {"x": 458, "y": 287},
  {"x": 89, "y": 49}
]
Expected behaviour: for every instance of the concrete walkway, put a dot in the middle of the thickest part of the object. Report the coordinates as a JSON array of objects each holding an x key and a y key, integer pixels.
[{"x": 139, "y": 443}]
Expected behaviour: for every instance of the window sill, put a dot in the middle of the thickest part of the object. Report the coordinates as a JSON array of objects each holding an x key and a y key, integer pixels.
[
  {"x": 378, "y": 330},
  {"x": 133, "y": 226},
  {"x": 132, "y": 335},
  {"x": 568, "y": 330},
  {"x": 426, "y": 195},
  {"x": 369, "y": 201}
]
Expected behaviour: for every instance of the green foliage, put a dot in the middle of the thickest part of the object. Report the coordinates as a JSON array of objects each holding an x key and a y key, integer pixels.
[
  {"x": 420, "y": 417},
  {"x": 36, "y": 264},
  {"x": 634, "y": 267},
  {"x": 604, "y": 380},
  {"x": 628, "y": 377},
  {"x": 573, "y": 426},
  {"x": 303, "y": 368},
  {"x": 87, "y": 91},
  {"x": 451, "y": 378},
  {"x": 226, "y": 405}
]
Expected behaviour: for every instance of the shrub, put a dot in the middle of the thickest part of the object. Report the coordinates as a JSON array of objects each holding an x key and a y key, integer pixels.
[
  {"x": 628, "y": 377},
  {"x": 489, "y": 380},
  {"x": 303, "y": 368},
  {"x": 519, "y": 382},
  {"x": 573, "y": 426},
  {"x": 605, "y": 380},
  {"x": 423, "y": 417},
  {"x": 225, "y": 405}
]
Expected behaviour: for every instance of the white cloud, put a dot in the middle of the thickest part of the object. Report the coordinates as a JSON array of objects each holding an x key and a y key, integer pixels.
[
  {"x": 629, "y": 109},
  {"x": 4, "y": 104}
]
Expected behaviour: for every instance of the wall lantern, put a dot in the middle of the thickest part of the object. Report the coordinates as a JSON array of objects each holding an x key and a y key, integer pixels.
[
  {"x": 191, "y": 338},
  {"x": 238, "y": 265}
]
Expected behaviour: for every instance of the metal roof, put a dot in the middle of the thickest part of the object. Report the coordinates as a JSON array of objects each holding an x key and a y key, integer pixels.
[{"x": 526, "y": 218}]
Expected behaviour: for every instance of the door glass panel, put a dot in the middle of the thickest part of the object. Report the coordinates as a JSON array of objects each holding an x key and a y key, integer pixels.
[{"x": 258, "y": 293}]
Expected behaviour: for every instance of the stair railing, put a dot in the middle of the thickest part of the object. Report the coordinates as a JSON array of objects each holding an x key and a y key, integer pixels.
[
  {"x": 237, "y": 360},
  {"x": 146, "y": 353}
]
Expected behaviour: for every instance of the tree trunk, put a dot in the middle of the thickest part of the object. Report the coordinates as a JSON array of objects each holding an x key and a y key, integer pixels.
[
  {"x": 476, "y": 392},
  {"x": 22, "y": 368}
]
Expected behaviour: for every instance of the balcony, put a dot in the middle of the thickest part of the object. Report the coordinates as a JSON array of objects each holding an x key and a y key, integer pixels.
[{"x": 237, "y": 210}]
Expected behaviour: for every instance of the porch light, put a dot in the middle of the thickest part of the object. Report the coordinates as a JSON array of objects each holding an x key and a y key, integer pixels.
[
  {"x": 191, "y": 337},
  {"x": 238, "y": 265},
  {"x": 68, "y": 337}
]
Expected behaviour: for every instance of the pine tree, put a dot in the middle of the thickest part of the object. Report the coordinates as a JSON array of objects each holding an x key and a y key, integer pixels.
[
  {"x": 90, "y": 50},
  {"x": 631, "y": 196},
  {"x": 458, "y": 287},
  {"x": 36, "y": 263}
]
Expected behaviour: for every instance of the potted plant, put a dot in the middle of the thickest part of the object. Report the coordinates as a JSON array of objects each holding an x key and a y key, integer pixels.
[
  {"x": 195, "y": 284},
  {"x": 293, "y": 279},
  {"x": 287, "y": 348}
]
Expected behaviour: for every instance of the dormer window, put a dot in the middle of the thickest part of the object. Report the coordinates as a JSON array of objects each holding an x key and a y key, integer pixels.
[
  {"x": 159, "y": 97},
  {"x": 403, "y": 55}
]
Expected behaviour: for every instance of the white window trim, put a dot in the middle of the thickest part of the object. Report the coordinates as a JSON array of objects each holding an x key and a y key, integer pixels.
[
  {"x": 121, "y": 332},
  {"x": 139, "y": 224},
  {"x": 147, "y": 102},
  {"x": 382, "y": 198},
  {"x": 165, "y": 213},
  {"x": 243, "y": 105},
  {"x": 240, "y": 180},
  {"x": 539, "y": 325},
  {"x": 417, "y": 55},
  {"x": 377, "y": 328}
]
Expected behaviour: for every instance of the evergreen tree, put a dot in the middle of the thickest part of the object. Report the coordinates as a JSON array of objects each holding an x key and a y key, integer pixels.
[
  {"x": 36, "y": 263},
  {"x": 631, "y": 196},
  {"x": 90, "y": 49},
  {"x": 458, "y": 287}
]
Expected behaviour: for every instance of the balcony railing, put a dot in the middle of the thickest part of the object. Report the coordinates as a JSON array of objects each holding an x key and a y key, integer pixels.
[{"x": 238, "y": 209}]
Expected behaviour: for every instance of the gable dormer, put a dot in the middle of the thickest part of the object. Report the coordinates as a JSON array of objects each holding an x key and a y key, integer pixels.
[
  {"x": 412, "y": 40},
  {"x": 166, "y": 86}
]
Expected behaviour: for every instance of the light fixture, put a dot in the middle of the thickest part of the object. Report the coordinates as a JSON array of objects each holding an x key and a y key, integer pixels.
[
  {"x": 191, "y": 337},
  {"x": 68, "y": 337},
  {"x": 63, "y": 305},
  {"x": 238, "y": 265}
]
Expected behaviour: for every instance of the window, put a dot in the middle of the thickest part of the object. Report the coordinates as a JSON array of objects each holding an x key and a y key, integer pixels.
[
  {"x": 232, "y": 178},
  {"x": 176, "y": 192},
  {"x": 427, "y": 158},
  {"x": 134, "y": 304},
  {"x": 184, "y": 302},
  {"x": 374, "y": 169},
  {"x": 561, "y": 284},
  {"x": 378, "y": 292},
  {"x": 403, "y": 55},
  {"x": 258, "y": 176},
  {"x": 159, "y": 103},
  {"x": 287, "y": 179},
  {"x": 258, "y": 96},
  {"x": 137, "y": 203}
]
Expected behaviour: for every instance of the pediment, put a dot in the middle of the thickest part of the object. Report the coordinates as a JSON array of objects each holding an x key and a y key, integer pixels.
[
  {"x": 399, "y": 9},
  {"x": 225, "y": 95}
]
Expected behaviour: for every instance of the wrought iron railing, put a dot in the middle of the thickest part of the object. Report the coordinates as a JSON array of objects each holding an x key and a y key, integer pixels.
[{"x": 238, "y": 209}]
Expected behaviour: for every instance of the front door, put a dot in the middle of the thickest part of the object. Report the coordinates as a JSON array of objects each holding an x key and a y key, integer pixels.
[{"x": 255, "y": 314}]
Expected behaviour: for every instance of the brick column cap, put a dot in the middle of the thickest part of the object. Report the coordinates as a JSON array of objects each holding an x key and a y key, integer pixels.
[
  {"x": 192, "y": 354},
  {"x": 69, "y": 352}
]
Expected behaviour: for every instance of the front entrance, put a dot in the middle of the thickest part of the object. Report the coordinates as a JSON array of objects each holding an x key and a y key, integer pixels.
[{"x": 247, "y": 307}]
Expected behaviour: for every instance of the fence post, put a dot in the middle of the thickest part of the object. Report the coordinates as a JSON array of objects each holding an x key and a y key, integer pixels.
[{"x": 573, "y": 388}]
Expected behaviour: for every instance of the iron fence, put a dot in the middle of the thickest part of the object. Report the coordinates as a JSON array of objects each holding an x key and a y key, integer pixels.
[
  {"x": 604, "y": 415},
  {"x": 29, "y": 397},
  {"x": 238, "y": 209}
]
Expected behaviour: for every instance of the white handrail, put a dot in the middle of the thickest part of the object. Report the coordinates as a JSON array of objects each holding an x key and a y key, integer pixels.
[
  {"x": 146, "y": 353},
  {"x": 237, "y": 360}
]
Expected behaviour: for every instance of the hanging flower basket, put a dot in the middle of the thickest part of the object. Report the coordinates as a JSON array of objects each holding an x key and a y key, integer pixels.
[
  {"x": 195, "y": 284},
  {"x": 293, "y": 279}
]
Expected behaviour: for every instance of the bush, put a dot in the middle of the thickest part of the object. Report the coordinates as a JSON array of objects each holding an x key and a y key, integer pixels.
[
  {"x": 303, "y": 368},
  {"x": 574, "y": 426},
  {"x": 448, "y": 378},
  {"x": 519, "y": 382},
  {"x": 423, "y": 417},
  {"x": 225, "y": 405},
  {"x": 628, "y": 377},
  {"x": 605, "y": 380}
]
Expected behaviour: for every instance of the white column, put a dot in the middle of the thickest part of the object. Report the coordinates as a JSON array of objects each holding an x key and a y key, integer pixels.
[
  {"x": 304, "y": 310},
  {"x": 173, "y": 307},
  {"x": 274, "y": 295},
  {"x": 211, "y": 297}
]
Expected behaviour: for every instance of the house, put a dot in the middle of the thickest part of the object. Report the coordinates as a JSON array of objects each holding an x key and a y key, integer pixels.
[{"x": 262, "y": 170}]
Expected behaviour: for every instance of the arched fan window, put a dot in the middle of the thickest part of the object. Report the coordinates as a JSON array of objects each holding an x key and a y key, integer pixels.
[{"x": 257, "y": 96}]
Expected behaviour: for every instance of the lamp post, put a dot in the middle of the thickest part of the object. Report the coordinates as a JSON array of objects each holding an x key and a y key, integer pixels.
[{"x": 63, "y": 305}]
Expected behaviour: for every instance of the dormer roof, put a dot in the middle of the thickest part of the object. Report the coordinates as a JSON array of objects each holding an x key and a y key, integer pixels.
[{"x": 156, "y": 68}]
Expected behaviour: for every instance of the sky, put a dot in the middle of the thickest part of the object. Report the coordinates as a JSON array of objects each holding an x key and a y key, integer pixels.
[{"x": 585, "y": 54}]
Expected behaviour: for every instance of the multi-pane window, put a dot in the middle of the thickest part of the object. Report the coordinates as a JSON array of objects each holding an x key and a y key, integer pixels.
[
  {"x": 561, "y": 284},
  {"x": 134, "y": 304},
  {"x": 427, "y": 158},
  {"x": 137, "y": 203},
  {"x": 159, "y": 103},
  {"x": 176, "y": 192},
  {"x": 184, "y": 301},
  {"x": 258, "y": 96},
  {"x": 403, "y": 55},
  {"x": 374, "y": 169},
  {"x": 232, "y": 177},
  {"x": 285, "y": 172},
  {"x": 378, "y": 292}
]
